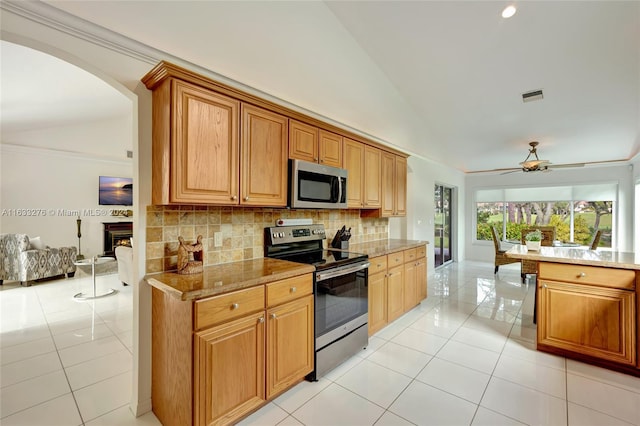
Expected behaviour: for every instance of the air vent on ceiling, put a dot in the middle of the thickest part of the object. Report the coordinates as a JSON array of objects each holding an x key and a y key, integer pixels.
[
  {"x": 129, "y": 154},
  {"x": 534, "y": 95}
]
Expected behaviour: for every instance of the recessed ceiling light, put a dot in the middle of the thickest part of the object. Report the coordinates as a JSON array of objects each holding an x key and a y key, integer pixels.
[{"x": 509, "y": 11}]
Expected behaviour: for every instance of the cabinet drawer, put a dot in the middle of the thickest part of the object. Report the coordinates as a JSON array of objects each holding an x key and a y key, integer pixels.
[
  {"x": 289, "y": 289},
  {"x": 228, "y": 306},
  {"x": 410, "y": 255},
  {"x": 395, "y": 259},
  {"x": 421, "y": 251},
  {"x": 591, "y": 275},
  {"x": 377, "y": 264}
]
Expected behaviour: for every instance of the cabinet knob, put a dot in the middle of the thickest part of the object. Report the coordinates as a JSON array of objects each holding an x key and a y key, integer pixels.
[
  {"x": 582, "y": 275},
  {"x": 233, "y": 197},
  {"x": 246, "y": 198},
  {"x": 235, "y": 306},
  {"x": 293, "y": 289},
  {"x": 544, "y": 286},
  {"x": 379, "y": 265},
  {"x": 272, "y": 316},
  {"x": 261, "y": 320},
  {"x": 322, "y": 161}
]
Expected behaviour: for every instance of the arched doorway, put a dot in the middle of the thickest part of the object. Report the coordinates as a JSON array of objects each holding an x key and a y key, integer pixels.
[{"x": 54, "y": 162}]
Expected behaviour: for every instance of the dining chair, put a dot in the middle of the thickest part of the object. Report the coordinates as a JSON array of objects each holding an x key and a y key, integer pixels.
[
  {"x": 500, "y": 257},
  {"x": 549, "y": 235}
]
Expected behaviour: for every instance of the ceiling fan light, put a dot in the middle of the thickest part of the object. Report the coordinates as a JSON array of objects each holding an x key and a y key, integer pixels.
[{"x": 509, "y": 11}]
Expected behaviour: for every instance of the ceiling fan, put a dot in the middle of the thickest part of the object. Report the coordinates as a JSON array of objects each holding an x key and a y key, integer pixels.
[{"x": 534, "y": 164}]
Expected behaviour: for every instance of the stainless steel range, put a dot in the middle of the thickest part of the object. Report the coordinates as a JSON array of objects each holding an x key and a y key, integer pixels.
[{"x": 340, "y": 291}]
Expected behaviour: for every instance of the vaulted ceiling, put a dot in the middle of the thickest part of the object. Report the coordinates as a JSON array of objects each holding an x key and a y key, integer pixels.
[{"x": 442, "y": 79}]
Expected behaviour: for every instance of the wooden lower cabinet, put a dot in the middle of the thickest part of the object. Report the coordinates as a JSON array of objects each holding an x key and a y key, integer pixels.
[
  {"x": 421, "y": 278},
  {"x": 228, "y": 374},
  {"x": 290, "y": 337},
  {"x": 397, "y": 283},
  {"x": 377, "y": 301},
  {"x": 410, "y": 286},
  {"x": 595, "y": 321},
  {"x": 217, "y": 359},
  {"x": 395, "y": 292}
]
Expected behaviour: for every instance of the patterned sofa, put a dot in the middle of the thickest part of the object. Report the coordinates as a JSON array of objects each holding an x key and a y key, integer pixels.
[{"x": 20, "y": 262}]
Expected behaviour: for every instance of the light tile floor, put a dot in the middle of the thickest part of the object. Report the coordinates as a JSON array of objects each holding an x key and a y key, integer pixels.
[{"x": 465, "y": 356}]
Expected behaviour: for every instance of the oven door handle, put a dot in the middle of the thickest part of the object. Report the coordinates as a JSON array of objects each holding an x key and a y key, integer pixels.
[{"x": 321, "y": 276}]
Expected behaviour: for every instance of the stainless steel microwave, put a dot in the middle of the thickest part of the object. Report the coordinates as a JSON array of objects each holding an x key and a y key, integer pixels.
[{"x": 314, "y": 186}]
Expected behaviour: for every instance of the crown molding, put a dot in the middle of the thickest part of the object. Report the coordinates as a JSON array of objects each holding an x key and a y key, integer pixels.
[
  {"x": 60, "y": 153},
  {"x": 64, "y": 22}
]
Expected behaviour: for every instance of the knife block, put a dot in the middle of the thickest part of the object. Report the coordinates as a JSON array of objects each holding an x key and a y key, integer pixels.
[{"x": 342, "y": 245}]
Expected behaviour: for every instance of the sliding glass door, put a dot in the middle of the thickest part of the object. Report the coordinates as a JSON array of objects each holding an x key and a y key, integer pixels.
[{"x": 442, "y": 225}]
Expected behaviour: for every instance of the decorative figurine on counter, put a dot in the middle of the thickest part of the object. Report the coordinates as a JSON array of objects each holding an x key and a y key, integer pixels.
[{"x": 185, "y": 251}]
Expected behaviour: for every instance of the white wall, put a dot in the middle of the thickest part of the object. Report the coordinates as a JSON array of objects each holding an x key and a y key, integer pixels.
[
  {"x": 58, "y": 183},
  {"x": 419, "y": 223},
  {"x": 622, "y": 175}
]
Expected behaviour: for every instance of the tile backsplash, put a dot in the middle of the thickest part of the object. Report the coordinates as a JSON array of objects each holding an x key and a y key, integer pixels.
[{"x": 242, "y": 231}]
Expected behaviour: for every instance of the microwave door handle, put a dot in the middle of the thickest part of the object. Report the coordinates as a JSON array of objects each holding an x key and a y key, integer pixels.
[{"x": 336, "y": 189}]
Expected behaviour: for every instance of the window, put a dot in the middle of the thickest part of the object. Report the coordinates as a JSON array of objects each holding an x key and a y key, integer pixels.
[{"x": 576, "y": 219}]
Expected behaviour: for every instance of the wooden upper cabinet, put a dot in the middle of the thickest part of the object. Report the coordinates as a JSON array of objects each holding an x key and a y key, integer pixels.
[
  {"x": 329, "y": 149},
  {"x": 308, "y": 143},
  {"x": 371, "y": 180},
  {"x": 264, "y": 147},
  {"x": 354, "y": 163},
  {"x": 303, "y": 141},
  {"x": 202, "y": 156},
  {"x": 388, "y": 184},
  {"x": 401, "y": 186}
]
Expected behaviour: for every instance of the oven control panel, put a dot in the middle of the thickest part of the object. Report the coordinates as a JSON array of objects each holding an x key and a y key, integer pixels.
[{"x": 288, "y": 234}]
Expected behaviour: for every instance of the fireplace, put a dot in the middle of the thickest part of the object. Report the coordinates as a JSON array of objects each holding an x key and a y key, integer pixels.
[{"x": 116, "y": 234}]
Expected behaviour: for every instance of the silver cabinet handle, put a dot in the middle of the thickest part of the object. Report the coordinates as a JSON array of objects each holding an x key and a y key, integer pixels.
[
  {"x": 544, "y": 286},
  {"x": 246, "y": 198},
  {"x": 235, "y": 306},
  {"x": 261, "y": 320},
  {"x": 582, "y": 275},
  {"x": 273, "y": 316},
  {"x": 293, "y": 289},
  {"x": 233, "y": 197}
]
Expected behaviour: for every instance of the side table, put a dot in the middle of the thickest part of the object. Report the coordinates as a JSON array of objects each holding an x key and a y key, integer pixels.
[{"x": 93, "y": 261}]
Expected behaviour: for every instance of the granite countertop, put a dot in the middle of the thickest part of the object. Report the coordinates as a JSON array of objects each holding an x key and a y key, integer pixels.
[
  {"x": 219, "y": 279},
  {"x": 382, "y": 247},
  {"x": 578, "y": 256}
]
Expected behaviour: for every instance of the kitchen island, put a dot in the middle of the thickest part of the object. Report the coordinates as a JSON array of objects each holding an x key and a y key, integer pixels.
[{"x": 587, "y": 304}]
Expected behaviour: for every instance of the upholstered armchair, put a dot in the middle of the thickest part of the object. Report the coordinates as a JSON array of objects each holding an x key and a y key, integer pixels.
[
  {"x": 124, "y": 255},
  {"x": 22, "y": 261}
]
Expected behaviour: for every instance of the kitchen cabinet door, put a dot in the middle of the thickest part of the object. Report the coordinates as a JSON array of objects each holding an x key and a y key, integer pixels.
[
  {"x": 227, "y": 385},
  {"x": 354, "y": 163},
  {"x": 395, "y": 292},
  {"x": 303, "y": 141},
  {"x": 401, "y": 186},
  {"x": 290, "y": 344},
  {"x": 421, "y": 278},
  {"x": 377, "y": 302},
  {"x": 388, "y": 184},
  {"x": 204, "y": 147},
  {"x": 410, "y": 296},
  {"x": 264, "y": 148},
  {"x": 330, "y": 149},
  {"x": 589, "y": 320},
  {"x": 371, "y": 180}
]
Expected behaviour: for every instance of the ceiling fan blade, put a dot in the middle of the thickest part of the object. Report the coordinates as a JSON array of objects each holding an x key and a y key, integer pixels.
[
  {"x": 561, "y": 166},
  {"x": 511, "y": 171}
]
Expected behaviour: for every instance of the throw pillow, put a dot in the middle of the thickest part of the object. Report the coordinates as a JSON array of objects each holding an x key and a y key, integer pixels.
[{"x": 36, "y": 244}]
